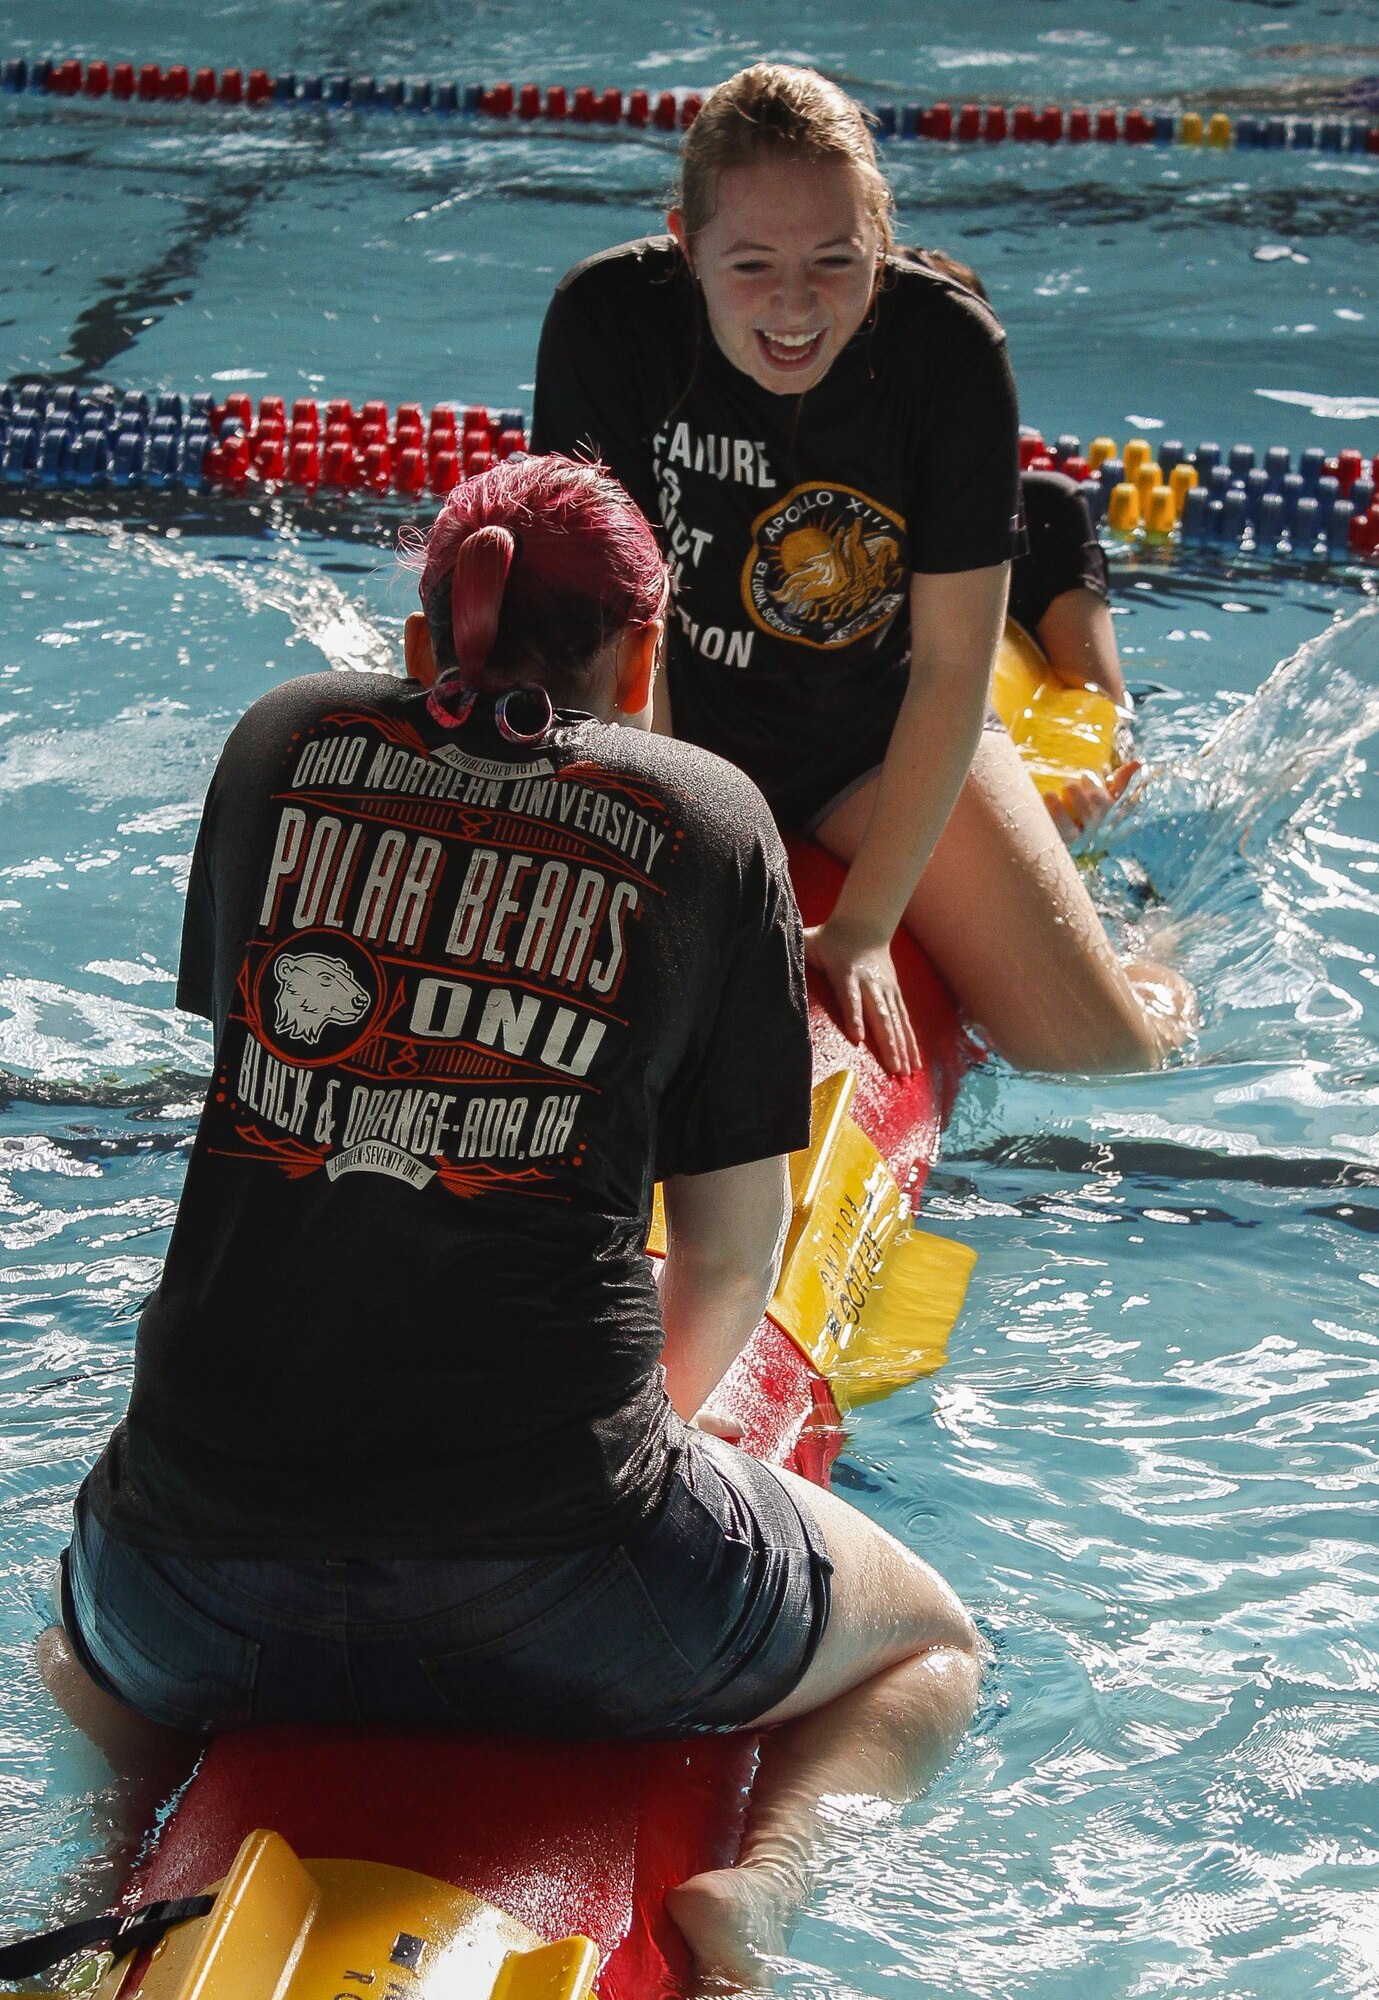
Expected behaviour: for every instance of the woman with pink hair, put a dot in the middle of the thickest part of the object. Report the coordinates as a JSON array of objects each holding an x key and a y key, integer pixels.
[{"x": 411, "y": 1436}]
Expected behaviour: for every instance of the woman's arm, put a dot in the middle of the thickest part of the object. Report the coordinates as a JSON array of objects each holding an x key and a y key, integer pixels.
[
  {"x": 1078, "y": 637},
  {"x": 724, "y": 1233},
  {"x": 956, "y": 621}
]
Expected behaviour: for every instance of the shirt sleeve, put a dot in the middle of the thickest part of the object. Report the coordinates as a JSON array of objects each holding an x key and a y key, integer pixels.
[
  {"x": 1064, "y": 553},
  {"x": 584, "y": 402},
  {"x": 196, "y": 966},
  {"x": 744, "y": 1094},
  {"x": 963, "y": 507}
]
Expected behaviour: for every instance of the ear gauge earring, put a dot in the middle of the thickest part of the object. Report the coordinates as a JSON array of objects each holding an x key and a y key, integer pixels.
[
  {"x": 523, "y": 714},
  {"x": 450, "y": 704}
]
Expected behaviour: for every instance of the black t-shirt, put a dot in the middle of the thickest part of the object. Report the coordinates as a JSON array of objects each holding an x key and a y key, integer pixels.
[
  {"x": 793, "y": 523},
  {"x": 469, "y": 1000},
  {"x": 1064, "y": 553}
]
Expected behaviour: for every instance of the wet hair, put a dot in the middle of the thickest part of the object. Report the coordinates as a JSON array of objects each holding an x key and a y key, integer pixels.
[
  {"x": 529, "y": 570},
  {"x": 776, "y": 109},
  {"x": 961, "y": 274}
]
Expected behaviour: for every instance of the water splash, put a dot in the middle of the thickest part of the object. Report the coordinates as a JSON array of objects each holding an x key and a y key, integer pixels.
[
  {"x": 1240, "y": 841},
  {"x": 286, "y": 580}
]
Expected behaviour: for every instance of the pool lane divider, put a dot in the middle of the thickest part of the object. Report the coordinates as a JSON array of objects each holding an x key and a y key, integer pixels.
[
  {"x": 76, "y": 440},
  {"x": 675, "y": 110},
  {"x": 1322, "y": 506},
  {"x": 65, "y": 440},
  {"x": 148, "y": 83}
]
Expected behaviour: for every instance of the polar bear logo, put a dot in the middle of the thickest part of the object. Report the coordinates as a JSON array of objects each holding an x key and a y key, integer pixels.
[{"x": 316, "y": 992}]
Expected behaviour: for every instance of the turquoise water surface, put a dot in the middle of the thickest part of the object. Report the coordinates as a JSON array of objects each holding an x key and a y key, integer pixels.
[{"x": 1150, "y": 1464}]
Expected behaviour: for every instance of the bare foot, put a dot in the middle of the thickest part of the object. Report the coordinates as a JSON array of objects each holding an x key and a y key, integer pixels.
[{"x": 733, "y": 1919}]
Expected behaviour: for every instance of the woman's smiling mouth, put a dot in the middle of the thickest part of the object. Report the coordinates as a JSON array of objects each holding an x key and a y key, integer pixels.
[{"x": 790, "y": 350}]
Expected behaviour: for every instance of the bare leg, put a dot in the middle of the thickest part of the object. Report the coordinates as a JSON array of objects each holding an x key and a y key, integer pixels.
[
  {"x": 1003, "y": 913},
  {"x": 886, "y": 1698},
  {"x": 145, "y": 1754}
]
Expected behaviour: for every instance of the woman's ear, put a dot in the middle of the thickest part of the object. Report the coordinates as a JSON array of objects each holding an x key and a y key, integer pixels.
[
  {"x": 675, "y": 223},
  {"x": 416, "y": 651},
  {"x": 639, "y": 650}
]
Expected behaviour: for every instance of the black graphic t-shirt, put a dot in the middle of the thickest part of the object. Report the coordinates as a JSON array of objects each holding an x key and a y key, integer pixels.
[
  {"x": 469, "y": 1000},
  {"x": 793, "y": 523},
  {"x": 1064, "y": 553}
]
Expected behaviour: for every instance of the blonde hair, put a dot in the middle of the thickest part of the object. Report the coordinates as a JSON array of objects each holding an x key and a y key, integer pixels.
[{"x": 777, "y": 109}]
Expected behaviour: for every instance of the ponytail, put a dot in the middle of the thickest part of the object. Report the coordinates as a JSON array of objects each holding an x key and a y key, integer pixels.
[{"x": 482, "y": 563}]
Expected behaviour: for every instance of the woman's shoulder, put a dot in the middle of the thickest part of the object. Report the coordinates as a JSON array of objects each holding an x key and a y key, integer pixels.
[
  {"x": 715, "y": 799},
  {"x": 272, "y": 723},
  {"x": 1051, "y": 499},
  {"x": 915, "y": 297},
  {"x": 648, "y": 268},
  {"x": 305, "y": 695}
]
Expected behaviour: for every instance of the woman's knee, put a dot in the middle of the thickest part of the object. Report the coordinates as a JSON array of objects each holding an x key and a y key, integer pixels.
[
  {"x": 888, "y": 1604},
  {"x": 1036, "y": 969}
]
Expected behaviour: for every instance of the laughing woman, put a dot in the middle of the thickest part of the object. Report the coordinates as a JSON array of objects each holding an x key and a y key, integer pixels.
[{"x": 826, "y": 434}]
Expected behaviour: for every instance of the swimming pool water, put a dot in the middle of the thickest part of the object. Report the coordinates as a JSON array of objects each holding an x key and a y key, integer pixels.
[{"x": 1150, "y": 1462}]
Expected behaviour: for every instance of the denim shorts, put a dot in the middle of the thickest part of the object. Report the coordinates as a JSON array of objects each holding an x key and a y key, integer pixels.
[{"x": 704, "y": 1617}]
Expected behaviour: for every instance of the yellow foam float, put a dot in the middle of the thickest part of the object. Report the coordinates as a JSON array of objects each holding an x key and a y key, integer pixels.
[
  {"x": 286, "y": 1929},
  {"x": 1061, "y": 732}
]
